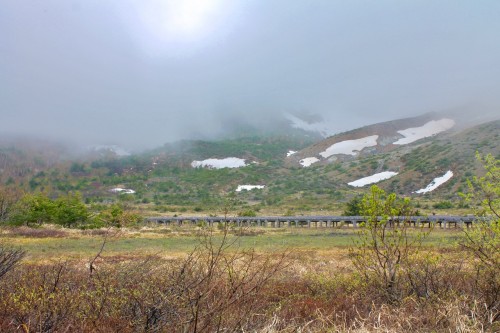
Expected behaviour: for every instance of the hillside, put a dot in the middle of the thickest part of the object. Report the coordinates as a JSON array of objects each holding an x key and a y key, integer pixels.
[
  {"x": 164, "y": 180},
  {"x": 371, "y": 140}
]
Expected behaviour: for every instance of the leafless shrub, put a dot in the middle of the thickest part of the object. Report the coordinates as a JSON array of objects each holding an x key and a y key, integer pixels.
[
  {"x": 429, "y": 276},
  {"x": 9, "y": 257},
  {"x": 214, "y": 288}
]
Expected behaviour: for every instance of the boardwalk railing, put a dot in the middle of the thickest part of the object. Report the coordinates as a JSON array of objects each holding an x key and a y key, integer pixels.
[{"x": 443, "y": 221}]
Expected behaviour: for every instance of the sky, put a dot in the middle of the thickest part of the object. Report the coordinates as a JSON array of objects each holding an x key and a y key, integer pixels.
[{"x": 140, "y": 73}]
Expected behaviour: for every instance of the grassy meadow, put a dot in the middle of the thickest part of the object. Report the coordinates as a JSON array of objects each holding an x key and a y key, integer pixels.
[{"x": 51, "y": 243}]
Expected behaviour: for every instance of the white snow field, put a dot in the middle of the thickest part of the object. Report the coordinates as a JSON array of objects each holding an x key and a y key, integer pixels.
[
  {"x": 373, "y": 179},
  {"x": 350, "y": 147},
  {"x": 431, "y": 128},
  {"x": 122, "y": 190},
  {"x": 290, "y": 153},
  {"x": 249, "y": 187},
  {"x": 438, "y": 181},
  {"x": 214, "y": 163},
  {"x": 308, "y": 161}
]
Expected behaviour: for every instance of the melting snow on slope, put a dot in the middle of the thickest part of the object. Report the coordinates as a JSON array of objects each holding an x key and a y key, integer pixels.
[
  {"x": 308, "y": 161},
  {"x": 249, "y": 187},
  {"x": 350, "y": 147},
  {"x": 290, "y": 153},
  {"x": 437, "y": 182},
  {"x": 122, "y": 190},
  {"x": 373, "y": 179},
  {"x": 431, "y": 128},
  {"x": 214, "y": 163}
]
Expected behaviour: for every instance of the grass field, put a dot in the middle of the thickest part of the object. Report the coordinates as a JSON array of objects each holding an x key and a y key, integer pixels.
[{"x": 48, "y": 243}]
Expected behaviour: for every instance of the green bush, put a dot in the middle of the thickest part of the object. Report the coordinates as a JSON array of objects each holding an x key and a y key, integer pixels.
[
  {"x": 247, "y": 213},
  {"x": 33, "y": 209},
  {"x": 443, "y": 205},
  {"x": 354, "y": 206},
  {"x": 70, "y": 210},
  {"x": 117, "y": 216}
]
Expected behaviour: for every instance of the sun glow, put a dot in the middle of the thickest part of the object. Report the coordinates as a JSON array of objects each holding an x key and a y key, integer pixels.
[
  {"x": 173, "y": 25},
  {"x": 190, "y": 16}
]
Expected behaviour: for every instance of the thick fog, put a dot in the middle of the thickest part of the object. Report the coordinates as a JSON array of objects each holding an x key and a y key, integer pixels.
[{"x": 144, "y": 72}]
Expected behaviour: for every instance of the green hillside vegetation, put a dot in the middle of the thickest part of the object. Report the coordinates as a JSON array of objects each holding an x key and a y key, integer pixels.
[{"x": 165, "y": 182}]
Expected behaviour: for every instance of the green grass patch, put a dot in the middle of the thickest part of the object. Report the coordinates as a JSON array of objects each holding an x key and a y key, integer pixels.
[{"x": 179, "y": 242}]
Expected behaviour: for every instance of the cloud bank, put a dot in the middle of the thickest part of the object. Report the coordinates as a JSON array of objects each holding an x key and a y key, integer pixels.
[{"x": 142, "y": 73}]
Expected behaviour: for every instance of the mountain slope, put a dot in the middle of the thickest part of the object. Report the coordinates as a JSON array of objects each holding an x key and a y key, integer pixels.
[
  {"x": 373, "y": 139},
  {"x": 164, "y": 179}
]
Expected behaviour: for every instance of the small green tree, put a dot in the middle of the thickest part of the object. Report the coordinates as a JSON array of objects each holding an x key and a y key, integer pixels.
[
  {"x": 384, "y": 243},
  {"x": 70, "y": 210}
]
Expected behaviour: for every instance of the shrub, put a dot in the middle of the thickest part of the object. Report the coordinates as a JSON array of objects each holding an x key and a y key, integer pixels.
[
  {"x": 37, "y": 208},
  {"x": 483, "y": 241},
  {"x": 443, "y": 205},
  {"x": 384, "y": 244},
  {"x": 248, "y": 213},
  {"x": 117, "y": 215},
  {"x": 70, "y": 210},
  {"x": 354, "y": 206},
  {"x": 33, "y": 209},
  {"x": 9, "y": 257}
]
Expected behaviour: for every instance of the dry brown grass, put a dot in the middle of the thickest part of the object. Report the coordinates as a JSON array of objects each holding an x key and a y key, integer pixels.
[
  {"x": 44, "y": 232},
  {"x": 151, "y": 294},
  {"x": 230, "y": 289}
]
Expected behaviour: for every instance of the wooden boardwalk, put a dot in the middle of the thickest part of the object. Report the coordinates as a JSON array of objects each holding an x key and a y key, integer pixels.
[{"x": 442, "y": 221}]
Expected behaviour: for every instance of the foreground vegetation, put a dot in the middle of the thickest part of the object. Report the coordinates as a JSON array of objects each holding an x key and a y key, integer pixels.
[
  {"x": 383, "y": 277},
  {"x": 225, "y": 283}
]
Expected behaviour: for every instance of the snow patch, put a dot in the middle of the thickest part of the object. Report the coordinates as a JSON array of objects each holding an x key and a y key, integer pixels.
[
  {"x": 431, "y": 128},
  {"x": 373, "y": 179},
  {"x": 290, "y": 153},
  {"x": 350, "y": 147},
  {"x": 249, "y": 187},
  {"x": 122, "y": 190},
  {"x": 308, "y": 161},
  {"x": 438, "y": 181},
  {"x": 214, "y": 163}
]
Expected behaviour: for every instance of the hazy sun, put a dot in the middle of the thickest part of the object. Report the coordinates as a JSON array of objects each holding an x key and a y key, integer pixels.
[
  {"x": 188, "y": 17},
  {"x": 164, "y": 23}
]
